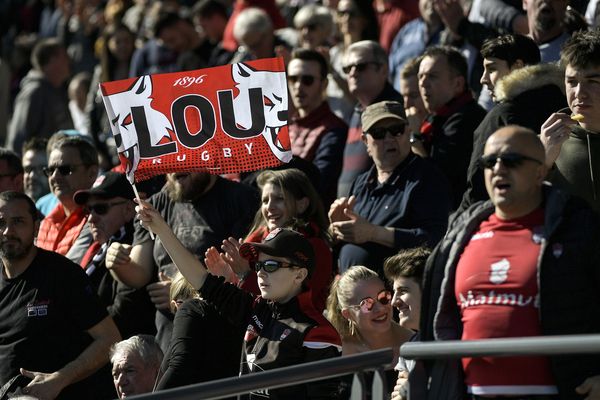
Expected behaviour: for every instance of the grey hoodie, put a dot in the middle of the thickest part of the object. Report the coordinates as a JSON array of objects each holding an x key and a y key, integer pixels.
[{"x": 40, "y": 110}]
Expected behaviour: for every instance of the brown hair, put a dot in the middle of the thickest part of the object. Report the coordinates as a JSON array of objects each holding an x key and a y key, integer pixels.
[
  {"x": 409, "y": 263},
  {"x": 294, "y": 185}
]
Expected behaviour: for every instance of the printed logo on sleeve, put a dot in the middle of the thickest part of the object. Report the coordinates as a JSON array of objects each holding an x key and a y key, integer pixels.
[{"x": 38, "y": 308}]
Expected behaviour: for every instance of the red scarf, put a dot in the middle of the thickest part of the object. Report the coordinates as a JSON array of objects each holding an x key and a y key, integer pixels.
[{"x": 427, "y": 127}]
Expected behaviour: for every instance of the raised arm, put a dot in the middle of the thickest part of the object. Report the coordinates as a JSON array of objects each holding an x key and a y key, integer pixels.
[{"x": 189, "y": 266}]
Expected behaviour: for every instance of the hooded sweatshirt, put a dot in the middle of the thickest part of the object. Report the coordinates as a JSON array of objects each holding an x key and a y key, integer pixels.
[{"x": 40, "y": 110}]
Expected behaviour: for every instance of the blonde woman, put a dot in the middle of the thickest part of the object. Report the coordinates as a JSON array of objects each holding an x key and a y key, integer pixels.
[{"x": 360, "y": 308}]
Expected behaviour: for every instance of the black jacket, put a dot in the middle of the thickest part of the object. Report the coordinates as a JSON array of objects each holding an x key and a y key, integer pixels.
[
  {"x": 277, "y": 335},
  {"x": 569, "y": 294},
  {"x": 131, "y": 309},
  {"x": 526, "y": 97},
  {"x": 452, "y": 145}
]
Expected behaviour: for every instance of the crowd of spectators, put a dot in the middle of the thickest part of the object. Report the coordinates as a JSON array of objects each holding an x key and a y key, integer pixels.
[{"x": 442, "y": 187}]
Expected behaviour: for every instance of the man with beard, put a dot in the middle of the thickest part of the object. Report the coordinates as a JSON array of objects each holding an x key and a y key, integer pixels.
[
  {"x": 50, "y": 319},
  {"x": 203, "y": 210}
]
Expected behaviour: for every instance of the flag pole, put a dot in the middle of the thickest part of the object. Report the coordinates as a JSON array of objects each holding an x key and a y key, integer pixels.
[{"x": 137, "y": 196}]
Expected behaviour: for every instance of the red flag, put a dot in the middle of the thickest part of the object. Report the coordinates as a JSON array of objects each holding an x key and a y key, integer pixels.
[{"x": 226, "y": 119}]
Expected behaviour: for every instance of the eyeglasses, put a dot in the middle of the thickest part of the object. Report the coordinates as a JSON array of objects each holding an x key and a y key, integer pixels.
[
  {"x": 306, "y": 80},
  {"x": 379, "y": 133},
  {"x": 102, "y": 208},
  {"x": 64, "y": 170},
  {"x": 384, "y": 297},
  {"x": 509, "y": 160},
  {"x": 360, "y": 67},
  {"x": 271, "y": 265}
]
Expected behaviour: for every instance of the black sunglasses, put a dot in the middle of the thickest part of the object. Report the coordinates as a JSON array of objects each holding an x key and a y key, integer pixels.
[
  {"x": 379, "y": 133},
  {"x": 271, "y": 265},
  {"x": 102, "y": 208},
  {"x": 384, "y": 297},
  {"x": 62, "y": 169},
  {"x": 306, "y": 80},
  {"x": 360, "y": 67},
  {"x": 509, "y": 160}
]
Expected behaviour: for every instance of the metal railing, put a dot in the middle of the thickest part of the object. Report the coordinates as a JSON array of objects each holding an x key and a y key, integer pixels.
[
  {"x": 536, "y": 345},
  {"x": 375, "y": 360},
  {"x": 281, "y": 377}
]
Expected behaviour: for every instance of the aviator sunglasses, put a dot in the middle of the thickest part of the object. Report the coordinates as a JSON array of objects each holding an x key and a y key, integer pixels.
[
  {"x": 509, "y": 160},
  {"x": 64, "y": 170},
  {"x": 384, "y": 297},
  {"x": 379, "y": 133},
  {"x": 271, "y": 265}
]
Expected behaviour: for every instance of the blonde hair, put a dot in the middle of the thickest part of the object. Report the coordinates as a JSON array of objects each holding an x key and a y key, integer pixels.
[
  {"x": 181, "y": 289},
  {"x": 340, "y": 294}
]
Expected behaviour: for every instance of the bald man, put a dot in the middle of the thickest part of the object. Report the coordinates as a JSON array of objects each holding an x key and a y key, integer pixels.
[{"x": 524, "y": 263}]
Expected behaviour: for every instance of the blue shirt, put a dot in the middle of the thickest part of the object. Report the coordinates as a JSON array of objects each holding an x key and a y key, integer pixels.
[
  {"x": 409, "y": 42},
  {"x": 415, "y": 200}
]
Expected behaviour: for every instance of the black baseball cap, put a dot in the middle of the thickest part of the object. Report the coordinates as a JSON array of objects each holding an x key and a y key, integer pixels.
[
  {"x": 107, "y": 186},
  {"x": 284, "y": 243}
]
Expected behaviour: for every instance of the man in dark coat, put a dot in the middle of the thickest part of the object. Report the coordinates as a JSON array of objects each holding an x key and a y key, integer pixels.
[{"x": 525, "y": 94}]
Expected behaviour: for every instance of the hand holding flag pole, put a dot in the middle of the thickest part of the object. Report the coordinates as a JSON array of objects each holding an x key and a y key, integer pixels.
[{"x": 139, "y": 201}]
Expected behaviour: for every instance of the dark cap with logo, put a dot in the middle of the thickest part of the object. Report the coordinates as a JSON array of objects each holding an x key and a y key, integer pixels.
[
  {"x": 380, "y": 111},
  {"x": 107, "y": 186},
  {"x": 284, "y": 243}
]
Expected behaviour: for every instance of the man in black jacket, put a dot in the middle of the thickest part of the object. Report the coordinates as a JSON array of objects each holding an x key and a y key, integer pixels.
[
  {"x": 111, "y": 211},
  {"x": 447, "y": 132},
  {"x": 524, "y": 264},
  {"x": 525, "y": 94}
]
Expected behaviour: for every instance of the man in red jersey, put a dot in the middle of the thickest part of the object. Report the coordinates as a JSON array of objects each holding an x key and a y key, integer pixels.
[{"x": 522, "y": 264}]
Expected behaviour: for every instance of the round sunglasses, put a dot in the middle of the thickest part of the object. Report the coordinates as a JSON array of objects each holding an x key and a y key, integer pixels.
[{"x": 384, "y": 297}]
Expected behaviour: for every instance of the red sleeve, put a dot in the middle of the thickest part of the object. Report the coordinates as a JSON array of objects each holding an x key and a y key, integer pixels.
[{"x": 323, "y": 273}]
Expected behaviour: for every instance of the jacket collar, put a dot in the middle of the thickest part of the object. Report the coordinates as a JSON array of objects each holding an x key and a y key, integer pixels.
[{"x": 529, "y": 78}]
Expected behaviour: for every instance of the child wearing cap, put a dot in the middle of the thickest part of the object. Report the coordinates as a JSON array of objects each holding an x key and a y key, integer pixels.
[{"x": 282, "y": 326}]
